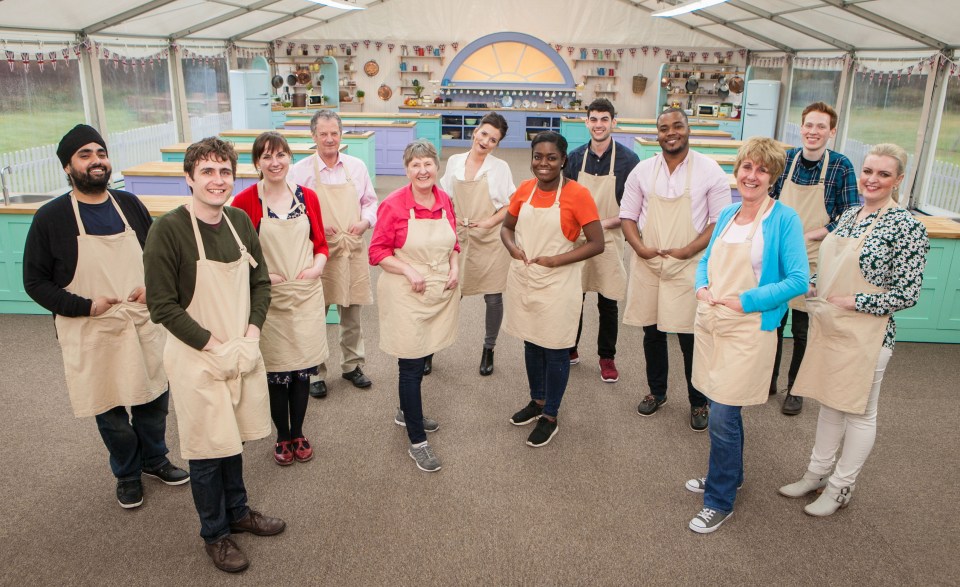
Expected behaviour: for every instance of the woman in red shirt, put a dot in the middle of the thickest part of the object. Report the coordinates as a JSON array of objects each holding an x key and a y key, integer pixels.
[
  {"x": 418, "y": 292},
  {"x": 293, "y": 340},
  {"x": 544, "y": 294}
]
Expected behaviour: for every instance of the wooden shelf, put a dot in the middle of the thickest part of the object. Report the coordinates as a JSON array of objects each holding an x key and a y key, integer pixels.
[
  {"x": 417, "y": 72},
  {"x": 402, "y": 57},
  {"x": 671, "y": 70},
  {"x": 603, "y": 76},
  {"x": 611, "y": 92},
  {"x": 577, "y": 60}
]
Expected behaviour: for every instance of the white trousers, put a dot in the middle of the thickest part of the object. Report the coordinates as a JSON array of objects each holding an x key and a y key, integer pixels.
[{"x": 854, "y": 432}]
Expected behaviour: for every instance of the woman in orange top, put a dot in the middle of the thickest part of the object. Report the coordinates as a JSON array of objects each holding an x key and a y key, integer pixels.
[{"x": 543, "y": 293}]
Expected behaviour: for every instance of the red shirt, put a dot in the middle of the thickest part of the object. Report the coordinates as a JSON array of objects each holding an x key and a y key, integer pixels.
[
  {"x": 577, "y": 207},
  {"x": 390, "y": 232},
  {"x": 249, "y": 201}
]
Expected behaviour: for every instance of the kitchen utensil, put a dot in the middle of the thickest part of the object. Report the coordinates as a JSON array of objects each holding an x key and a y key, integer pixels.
[
  {"x": 384, "y": 92},
  {"x": 303, "y": 77},
  {"x": 371, "y": 68},
  {"x": 506, "y": 101},
  {"x": 692, "y": 84},
  {"x": 526, "y": 103},
  {"x": 291, "y": 80},
  {"x": 276, "y": 82},
  {"x": 665, "y": 82},
  {"x": 735, "y": 84}
]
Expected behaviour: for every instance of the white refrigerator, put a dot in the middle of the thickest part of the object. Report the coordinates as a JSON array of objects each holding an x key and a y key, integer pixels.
[
  {"x": 250, "y": 98},
  {"x": 761, "y": 102}
]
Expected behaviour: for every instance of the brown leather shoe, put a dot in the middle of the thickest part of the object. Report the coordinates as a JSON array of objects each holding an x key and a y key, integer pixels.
[
  {"x": 227, "y": 556},
  {"x": 258, "y": 524}
]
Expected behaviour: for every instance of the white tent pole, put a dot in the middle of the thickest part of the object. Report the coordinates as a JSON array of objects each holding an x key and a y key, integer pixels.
[
  {"x": 786, "y": 79},
  {"x": 926, "y": 150},
  {"x": 844, "y": 99},
  {"x": 181, "y": 116},
  {"x": 91, "y": 88}
]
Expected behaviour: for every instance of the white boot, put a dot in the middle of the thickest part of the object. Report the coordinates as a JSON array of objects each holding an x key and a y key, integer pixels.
[
  {"x": 831, "y": 500},
  {"x": 809, "y": 483}
]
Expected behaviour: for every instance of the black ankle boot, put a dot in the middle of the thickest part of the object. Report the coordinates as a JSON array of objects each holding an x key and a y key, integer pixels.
[
  {"x": 486, "y": 362},
  {"x": 428, "y": 365}
]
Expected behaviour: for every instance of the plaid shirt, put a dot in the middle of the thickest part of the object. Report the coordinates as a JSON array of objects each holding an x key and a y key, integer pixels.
[{"x": 841, "y": 183}]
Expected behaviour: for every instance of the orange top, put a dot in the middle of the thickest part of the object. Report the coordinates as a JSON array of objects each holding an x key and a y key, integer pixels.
[{"x": 577, "y": 207}]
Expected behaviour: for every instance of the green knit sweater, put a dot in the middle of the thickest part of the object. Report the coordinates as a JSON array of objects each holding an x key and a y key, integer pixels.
[{"x": 170, "y": 266}]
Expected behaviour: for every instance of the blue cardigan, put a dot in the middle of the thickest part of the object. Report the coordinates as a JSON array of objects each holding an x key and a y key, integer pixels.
[{"x": 785, "y": 270}]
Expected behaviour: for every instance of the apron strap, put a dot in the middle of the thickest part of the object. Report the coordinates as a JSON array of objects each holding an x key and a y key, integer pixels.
[
  {"x": 293, "y": 192},
  {"x": 243, "y": 249},
  {"x": 196, "y": 233},
  {"x": 556, "y": 202},
  {"x": 613, "y": 157},
  {"x": 316, "y": 167},
  {"x": 823, "y": 170},
  {"x": 753, "y": 226},
  {"x": 76, "y": 213},
  {"x": 863, "y": 237}
]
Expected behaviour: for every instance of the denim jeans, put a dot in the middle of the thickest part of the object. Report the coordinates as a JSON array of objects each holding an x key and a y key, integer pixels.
[
  {"x": 799, "y": 327},
  {"x": 218, "y": 494},
  {"x": 411, "y": 375},
  {"x": 547, "y": 373},
  {"x": 725, "y": 472},
  {"x": 658, "y": 366},
  {"x": 136, "y": 440},
  {"x": 607, "y": 329}
]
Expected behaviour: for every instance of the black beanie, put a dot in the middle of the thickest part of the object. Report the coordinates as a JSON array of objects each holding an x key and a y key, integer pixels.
[{"x": 80, "y": 135}]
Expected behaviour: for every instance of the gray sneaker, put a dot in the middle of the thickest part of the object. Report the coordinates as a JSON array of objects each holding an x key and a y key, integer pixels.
[
  {"x": 426, "y": 460},
  {"x": 708, "y": 520},
  {"x": 429, "y": 424}
]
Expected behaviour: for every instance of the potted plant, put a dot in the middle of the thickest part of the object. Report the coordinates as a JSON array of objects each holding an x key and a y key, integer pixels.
[
  {"x": 360, "y": 96},
  {"x": 418, "y": 90},
  {"x": 324, "y": 100}
]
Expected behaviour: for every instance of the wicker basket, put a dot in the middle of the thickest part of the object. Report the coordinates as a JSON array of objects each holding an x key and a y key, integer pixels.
[{"x": 639, "y": 84}]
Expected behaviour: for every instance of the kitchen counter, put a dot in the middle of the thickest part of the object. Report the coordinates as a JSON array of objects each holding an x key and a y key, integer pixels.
[
  {"x": 371, "y": 115},
  {"x": 390, "y": 140},
  {"x": 299, "y": 124},
  {"x": 289, "y": 109},
  {"x": 492, "y": 107},
  {"x": 176, "y": 152}
]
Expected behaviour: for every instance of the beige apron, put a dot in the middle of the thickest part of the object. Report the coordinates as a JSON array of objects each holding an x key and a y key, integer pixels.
[
  {"x": 604, "y": 273},
  {"x": 732, "y": 357},
  {"x": 293, "y": 334},
  {"x": 346, "y": 278},
  {"x": 542, "y": 304},
  {"x": 221, "y": 394},
  {"x": 843, "y": 345},
  {"x": 114, "y": 359},
  {"x": 808, "y": 201},
  {"x": 661, "y": 289},
  {"x": 484, "y": 260},
  {"x": 414, "y": 325}
]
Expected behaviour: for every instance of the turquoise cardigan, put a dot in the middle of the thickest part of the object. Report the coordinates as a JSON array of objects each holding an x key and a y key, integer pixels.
[{"x": 785, "y": 271}]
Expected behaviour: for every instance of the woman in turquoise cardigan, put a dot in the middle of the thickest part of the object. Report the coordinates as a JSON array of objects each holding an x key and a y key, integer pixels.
[{"x": 755, "y": 263}]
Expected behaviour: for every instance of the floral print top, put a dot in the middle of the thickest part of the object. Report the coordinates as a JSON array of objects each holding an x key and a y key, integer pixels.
[{"x": 893, "y": 257}]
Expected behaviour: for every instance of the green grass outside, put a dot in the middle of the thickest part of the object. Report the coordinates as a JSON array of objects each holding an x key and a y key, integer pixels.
[{"x": 22, "y": 130}]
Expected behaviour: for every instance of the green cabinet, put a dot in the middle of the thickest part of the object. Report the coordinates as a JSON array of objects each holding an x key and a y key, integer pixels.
[
  {"x": 13, "y": 233},
  {"x": 936, "y": 317}
]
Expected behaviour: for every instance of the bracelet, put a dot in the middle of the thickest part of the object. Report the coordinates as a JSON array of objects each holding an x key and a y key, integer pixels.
[{"x": 93, "y": 311}]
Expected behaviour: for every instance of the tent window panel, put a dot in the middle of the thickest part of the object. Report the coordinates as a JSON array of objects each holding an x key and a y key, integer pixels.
[
  {"x": 885, "y": 111},
  {"x": 943, "y": 191}
]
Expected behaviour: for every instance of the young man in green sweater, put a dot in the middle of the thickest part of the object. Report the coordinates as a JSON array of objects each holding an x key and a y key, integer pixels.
[{"x": 207, "y": 283}]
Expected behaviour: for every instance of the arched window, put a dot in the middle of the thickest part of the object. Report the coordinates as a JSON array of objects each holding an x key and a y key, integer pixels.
[{"x": 508, "y": 59}]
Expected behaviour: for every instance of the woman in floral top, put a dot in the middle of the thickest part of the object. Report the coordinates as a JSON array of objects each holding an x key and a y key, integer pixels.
[{"x": 851, "y": 311}]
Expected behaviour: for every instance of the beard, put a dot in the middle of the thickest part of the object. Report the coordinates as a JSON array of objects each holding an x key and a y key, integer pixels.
[{"x": 86, "y": 183}]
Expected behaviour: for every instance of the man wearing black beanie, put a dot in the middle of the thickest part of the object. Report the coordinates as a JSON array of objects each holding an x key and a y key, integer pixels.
[{"x": 83, "y": 261}]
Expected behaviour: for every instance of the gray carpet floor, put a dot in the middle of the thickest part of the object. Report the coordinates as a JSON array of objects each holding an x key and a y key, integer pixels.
[{"x": 602, "y": 504}]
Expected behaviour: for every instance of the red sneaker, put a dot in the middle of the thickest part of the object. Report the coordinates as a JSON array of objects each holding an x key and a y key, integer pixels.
[
  {"x": 282, "y": 453},
  {"x": 302, "y": 451},
  {"x": 608, "y": 371}
]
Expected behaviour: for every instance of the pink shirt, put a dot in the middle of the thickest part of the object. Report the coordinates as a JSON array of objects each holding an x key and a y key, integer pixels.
[
  {"x": 709, "y": 188},
  {"x": 393, "y": 216},
  {"x": 304, "y": 173}
]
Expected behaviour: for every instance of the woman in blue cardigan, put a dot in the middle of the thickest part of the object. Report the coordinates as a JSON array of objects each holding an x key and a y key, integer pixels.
[{"x": 755, "y": 263}]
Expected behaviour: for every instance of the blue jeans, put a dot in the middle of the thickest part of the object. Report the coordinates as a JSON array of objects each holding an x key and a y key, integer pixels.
[
  {"x": 411, "y": 375},
  {"x": 137, "y": 440},
  {"x": 725, "y": 472},
  {"x": 547, "y": 373},
  {"x": 218, "y": 494}
]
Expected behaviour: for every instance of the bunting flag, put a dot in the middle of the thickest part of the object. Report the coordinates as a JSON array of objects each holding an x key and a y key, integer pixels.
[
  {"x": 11, "y": 59},
  {"x": 53, "y": 59},
  {"x": 25, "y": 60}
]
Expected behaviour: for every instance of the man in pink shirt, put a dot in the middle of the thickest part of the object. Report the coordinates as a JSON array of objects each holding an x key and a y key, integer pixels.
[
  {"x": 348, "y": 203},
  {"x": 670, "y": 204}
]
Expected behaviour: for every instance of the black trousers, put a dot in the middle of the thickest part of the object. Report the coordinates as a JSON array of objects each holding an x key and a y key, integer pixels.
[
  {"x": 799, "y": 327},
  {"x": 658, "y": 367},
  {"x": 607, "y": 332}
]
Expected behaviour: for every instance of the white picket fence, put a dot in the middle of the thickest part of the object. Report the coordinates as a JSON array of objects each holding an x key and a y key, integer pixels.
[
  {"x": 38, "y": 170},
  {"x": 944, "y": 185}
]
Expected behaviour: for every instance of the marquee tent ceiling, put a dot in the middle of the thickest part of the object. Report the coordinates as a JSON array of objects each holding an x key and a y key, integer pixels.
[{"x": 760, "y": 25}]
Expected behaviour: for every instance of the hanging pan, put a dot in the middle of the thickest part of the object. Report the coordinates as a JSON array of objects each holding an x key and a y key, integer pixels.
[
  {"x": 276, "y": 82},
  {"x": 692, "y": 84}
]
